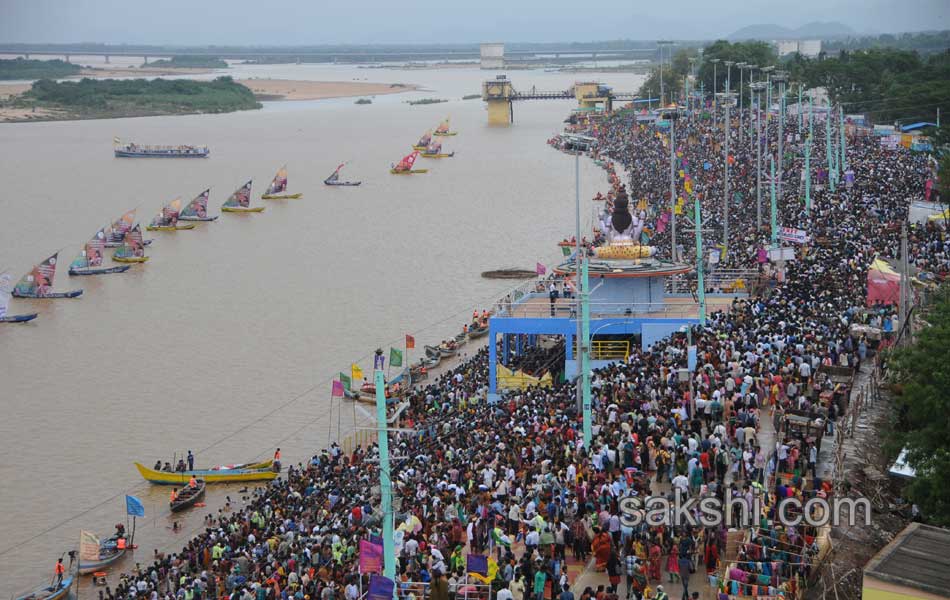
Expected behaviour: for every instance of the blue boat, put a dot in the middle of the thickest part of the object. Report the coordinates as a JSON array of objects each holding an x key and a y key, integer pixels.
[
  {"x": 53, "y": 591},
  {"x": 133, "y": 150},
  {"x": 109, "y": 552},
  {"x": 18, "y": 318}
]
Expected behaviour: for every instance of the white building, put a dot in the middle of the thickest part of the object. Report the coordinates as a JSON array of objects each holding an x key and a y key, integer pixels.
[
  {"x": 807, "y": 48},
  {"x": 493, "y": 56}
]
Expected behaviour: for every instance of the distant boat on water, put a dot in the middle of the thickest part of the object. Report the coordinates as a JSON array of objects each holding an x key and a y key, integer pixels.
[
  {"x": 5, "y": 288},
  {"x": 278, "y": 186},
  {"x": 240, "y": 201},
  {"x": 197, "y": 209},
  {"x": 133, "y": 150},
  {"x": 89, "y": 261},
  {"x": 167, "y": 218}
]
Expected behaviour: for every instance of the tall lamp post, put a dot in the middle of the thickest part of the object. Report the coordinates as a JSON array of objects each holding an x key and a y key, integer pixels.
[
  {"x": 781, "y": 77},
  {"x": 751, "y": 69},
  {"x": 729, "y": 64},
  {"x": 660, "y": 45},
  {"x": 715, "y": 62},
  {"x": 385, "y": 481},
  {"x": 768, "y": 93},
  {"x": 727, "y": 99},
  {"x": 672, "y": 115},
  {"x": 757, "y": 88},
  {"x": 742, "y": 66}
]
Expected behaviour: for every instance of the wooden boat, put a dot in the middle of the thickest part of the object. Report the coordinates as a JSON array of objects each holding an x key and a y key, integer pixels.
[
  {"x": 53, "y": 591},
  {"x": 109, "y": 553},
  {"x": 6, "y": 286},
  {"x": 404, "y": 166},
  {"x": 432, "y": 351},
  {"x": 188, "y": 496},
  {"x": 208, "y": 475},
  {"x": 132, "y": 150},
  {"x": 461, "y": 338},
  {"x": 477, "y": 332},
  {"x": 38, "y": 283},
  {"x": 240, "y": 201},
  {"x": 197, "y": 209},
  {"x": 367, "y": 393},
  {"x": 438, "y": 155},
  {"x": 334, "y": 179},
  {"x": 423, "y": 141},
  {"x": 167, "y": 218},
  {"x": 132, "y": 249},
  {"x": 448, "y": 349},
  {"x": 443, "y": 129},
  {"x": 115, "y": 233},
  {"x": 278, "y": 185},
  {"x": 89, "y": 261}
]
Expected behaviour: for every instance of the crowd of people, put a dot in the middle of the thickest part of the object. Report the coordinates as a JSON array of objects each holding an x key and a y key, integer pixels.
[{"x": 513, "y": 480}]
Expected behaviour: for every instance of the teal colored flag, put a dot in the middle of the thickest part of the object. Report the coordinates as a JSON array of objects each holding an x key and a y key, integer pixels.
[
  {"x": 346, "y": 381},
  {"x": 395, "y": 357}
]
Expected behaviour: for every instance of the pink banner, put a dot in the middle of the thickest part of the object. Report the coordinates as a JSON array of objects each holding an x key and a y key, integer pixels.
[{"x": 371, "y": 557}]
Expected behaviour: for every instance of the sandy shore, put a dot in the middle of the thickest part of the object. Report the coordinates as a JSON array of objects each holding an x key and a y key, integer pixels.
[
  {"x": 145, "y": 72},
  {"x": 286, "y": 89}
]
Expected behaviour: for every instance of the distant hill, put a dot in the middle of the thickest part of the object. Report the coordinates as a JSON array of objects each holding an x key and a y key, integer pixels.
[{"x": 821, "y": 30}]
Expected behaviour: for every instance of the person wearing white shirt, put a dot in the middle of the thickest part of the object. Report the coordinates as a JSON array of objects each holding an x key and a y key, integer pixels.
[{"x": 681, "y": 483}]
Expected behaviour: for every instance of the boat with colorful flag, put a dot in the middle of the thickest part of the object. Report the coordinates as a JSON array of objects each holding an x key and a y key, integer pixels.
[
  {"x": 115, "y": 233},
  {"x": 167, "y": 218},
  {"x": 423, "y": 141},
  {"x": 221, "y": 475},
  {"x": 89, "y": 261},
  {"x": 197, "y": 209},
  {"x": 443, "y": 129},
  {"x": 240, "y": 201},
  {"x": 434, "y": 150},
  {"x": 38, "y": 283},
  {"x": 95, "y": 556},
  {"x": 6, "y": 286},
  {"x": 279, "y": 185},
  {"x": 334, "y": 178},
  {"x": 132, "y": 249},
  {"x": 404, "y": 167}
]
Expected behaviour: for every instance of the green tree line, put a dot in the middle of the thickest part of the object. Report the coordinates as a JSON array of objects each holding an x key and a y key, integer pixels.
[{"x": 21, "y": 68}]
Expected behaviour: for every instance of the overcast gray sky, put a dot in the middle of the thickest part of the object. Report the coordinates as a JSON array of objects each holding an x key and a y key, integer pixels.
[{"x": 250, "y": 22}]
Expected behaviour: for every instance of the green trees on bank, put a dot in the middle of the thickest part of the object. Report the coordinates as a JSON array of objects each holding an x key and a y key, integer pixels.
[
  {"x": 21, "y": 68},
  {"x": 922, "y": 412},
  {"x": 114, "y": 97},
  {"x": 190, "y": 61}
]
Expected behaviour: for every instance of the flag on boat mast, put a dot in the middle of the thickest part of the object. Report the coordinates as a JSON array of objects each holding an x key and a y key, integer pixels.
[
  {"x": 346, "y": 381},
  {"x": 337, "y": 390},
  {"x": 356, "y": 372},
  {"x": 134, "y": 507},
  {"x": 395, "y": 357},
  {"x": 540, "y": 269},
  {"x": 410, "y": 342}
]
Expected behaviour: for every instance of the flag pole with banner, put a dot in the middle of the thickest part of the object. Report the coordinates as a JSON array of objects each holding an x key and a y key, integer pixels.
[{"x": 134, "y": 507}]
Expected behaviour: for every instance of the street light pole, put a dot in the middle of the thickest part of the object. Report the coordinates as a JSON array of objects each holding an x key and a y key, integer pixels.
[
  {"x": 701, "y": 286},
  {"x": 742, "y": 67},
  {"x": 757, "y": 88},
  {"x": 672, "y": 115},
  {"x": 727, "y": 99},
  {"x": 577, "y": 270},
  {"x": 715, "y": 62},
  {"x": 585, "y": 356},
  {"x": 781, "y": 77}
]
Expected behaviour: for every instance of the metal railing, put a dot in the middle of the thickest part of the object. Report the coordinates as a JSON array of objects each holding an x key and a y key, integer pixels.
[
  {"x": 569, "y": 308},
  {"x": 467, "y": 590},
  {"x": 608, "y": 349},
  {"x": 727, "y": 281}
]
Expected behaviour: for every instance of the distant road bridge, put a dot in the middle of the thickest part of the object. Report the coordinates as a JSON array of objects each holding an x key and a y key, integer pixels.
[{"x": 325, "y": 56}]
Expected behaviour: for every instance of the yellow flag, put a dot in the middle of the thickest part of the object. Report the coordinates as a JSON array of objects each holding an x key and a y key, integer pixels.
[{"x": 357, "y": 373}]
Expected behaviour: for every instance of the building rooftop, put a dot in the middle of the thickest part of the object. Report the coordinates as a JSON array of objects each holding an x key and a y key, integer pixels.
[{"x": 919, "y": 557}]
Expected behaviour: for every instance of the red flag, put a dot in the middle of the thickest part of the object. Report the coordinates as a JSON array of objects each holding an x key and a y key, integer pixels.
[
  {"x": 540, "y": 269},
  {"x": 337, "y": 390},
  {"x": 410, "y": 342}
]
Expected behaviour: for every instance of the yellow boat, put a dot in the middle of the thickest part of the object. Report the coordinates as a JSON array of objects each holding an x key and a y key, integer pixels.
[
  {"x": 438, "y": 155},
  {"x": 170, "y": 227},
  {"x": 412, "y": 172},
  {"x": 242, "y": 209},
  {"x": 283, "y": 197},
  {"x": 130, "y": 259},
  {"x": 210, "y": 475},
  {"x": 446, "y": 134},
  {"x": 417, "y": 147}
]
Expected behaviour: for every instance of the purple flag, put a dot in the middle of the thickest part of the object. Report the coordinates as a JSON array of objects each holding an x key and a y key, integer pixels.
[
  {"x": 337, "y": 389},
  {"x": 476, "y": 563},
  {"x": 378, "y": 362},
  {"x": 380, "y": 588}
]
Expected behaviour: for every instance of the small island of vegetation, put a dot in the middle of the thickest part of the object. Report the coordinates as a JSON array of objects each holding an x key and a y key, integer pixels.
[
  {"x": 21, "y": 68},
  {"x": 190, "y": 61},
  {"x": 363, "y": 101},
  {"x": 427, "y": 101},
  {"x": 111, "y": 98}
]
